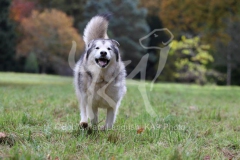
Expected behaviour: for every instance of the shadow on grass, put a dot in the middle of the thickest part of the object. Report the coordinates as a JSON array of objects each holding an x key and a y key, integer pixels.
[
  {"x": 8, "y": 140},
  {"x": 111, "y": 136},
  {"x": 27, "y": 84},
  {"x": 10, "y": 84}
]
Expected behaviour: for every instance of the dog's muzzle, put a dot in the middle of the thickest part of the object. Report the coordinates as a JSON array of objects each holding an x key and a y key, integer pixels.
[{"x": 102, "y": 61}]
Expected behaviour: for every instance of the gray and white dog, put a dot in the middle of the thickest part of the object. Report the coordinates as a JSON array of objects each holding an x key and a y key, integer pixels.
[{"x": 99, "y": 75}]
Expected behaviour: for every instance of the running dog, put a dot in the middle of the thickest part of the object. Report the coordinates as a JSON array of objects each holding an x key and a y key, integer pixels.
[{"x": 99, "y": 75}]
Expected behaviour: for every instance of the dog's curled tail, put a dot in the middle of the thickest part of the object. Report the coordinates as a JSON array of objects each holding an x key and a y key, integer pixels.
[{"x": 96, "y": 28}]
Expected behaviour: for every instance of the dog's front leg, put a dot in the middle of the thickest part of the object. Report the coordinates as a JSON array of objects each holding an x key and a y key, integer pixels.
[
  {"x": 83, "y": 112},
  {"x": 110, "y": 118},
  {"x": 94, "y": 121}
]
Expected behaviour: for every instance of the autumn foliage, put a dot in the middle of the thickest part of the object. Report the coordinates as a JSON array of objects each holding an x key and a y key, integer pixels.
[
  {"x": 21, "y": 9},
  {"x": 198, "y": 17},
  {"x": 49, "y": 35}
]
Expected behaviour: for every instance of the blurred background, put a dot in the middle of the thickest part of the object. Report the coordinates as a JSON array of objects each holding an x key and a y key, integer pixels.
[{"x": 36, "y": 36}]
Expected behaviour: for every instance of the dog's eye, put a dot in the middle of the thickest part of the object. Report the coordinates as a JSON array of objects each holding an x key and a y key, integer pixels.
[
  {"x": 109, "y": 49},
  {"x": 97, "y": 47}
]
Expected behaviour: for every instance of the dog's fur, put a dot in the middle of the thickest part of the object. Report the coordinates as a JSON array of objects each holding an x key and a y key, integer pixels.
[{"x": 99, "y": 75}]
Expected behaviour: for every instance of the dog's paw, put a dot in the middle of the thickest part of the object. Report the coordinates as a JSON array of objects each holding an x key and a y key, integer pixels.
[
  {"x": 102, "y": 128},
  {"x": 83, "y": 125},
  {"x": 105, "y": 128}
]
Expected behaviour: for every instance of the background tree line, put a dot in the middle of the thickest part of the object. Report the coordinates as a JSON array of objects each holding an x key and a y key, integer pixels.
[{"x": 36, "y": 36}]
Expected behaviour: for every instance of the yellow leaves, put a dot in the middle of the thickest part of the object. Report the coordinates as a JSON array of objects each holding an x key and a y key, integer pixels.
[
  {"x": 183, "y": 38},
  {"x": 174, "y": 44},
  {"x": 192, "y": 58},
  {"x": 203, "y": 56},
  {"x": 205, "y": 47},
  {"x": 181, "y": 63},
  {"x": 192, "y": 47},
  {"x": 186, "y": 51}
]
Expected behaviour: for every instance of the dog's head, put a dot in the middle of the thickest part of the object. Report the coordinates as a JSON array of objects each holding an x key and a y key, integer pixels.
[{"x": 103, "y": 52}]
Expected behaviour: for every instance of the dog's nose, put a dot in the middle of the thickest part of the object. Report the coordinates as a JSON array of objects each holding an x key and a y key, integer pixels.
[{"x": 103, "y": 53}]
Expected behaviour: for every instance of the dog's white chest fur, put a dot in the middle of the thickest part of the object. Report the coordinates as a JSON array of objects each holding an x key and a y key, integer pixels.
[
  {"x": 98, "y": 92},
  {"x": 104, "y": 90}
]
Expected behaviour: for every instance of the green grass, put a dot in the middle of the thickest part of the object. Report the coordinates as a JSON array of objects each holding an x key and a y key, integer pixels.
[{"x": 40, "y": 115}]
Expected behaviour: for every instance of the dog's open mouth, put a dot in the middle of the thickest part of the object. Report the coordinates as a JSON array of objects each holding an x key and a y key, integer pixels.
[{"x": 102, "y": 62}]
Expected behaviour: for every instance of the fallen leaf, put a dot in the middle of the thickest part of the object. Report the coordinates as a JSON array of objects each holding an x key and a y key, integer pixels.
[
  {"x": 2, "y": 135},
  {"x": 207, "y": 157},
  {"x": 113, "y": 138},
  {"x": 140, "y": 130},
  {"x": 193, "y": 108},
  {"x": 113, "y": 158},
  {"x": 49, "y": 157},
  {"x": 227, "y": 153},
  {"x": 6, "y": 139},
  {"x": 39, "y": 101}
]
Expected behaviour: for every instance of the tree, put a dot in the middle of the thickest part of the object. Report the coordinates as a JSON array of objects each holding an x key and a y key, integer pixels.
[
  {"x": 155, "y": 22},
  {"x": 127, "y": 26},
  {"x": 7, "y": 38},
  {"x": 73, "y": 8},
  {"x": 31, "y": 64},
  {"x": 205, "y": 17},
  {"x": 192, "y": 60},
  {"x": 49, "y": 35},
  {"x": 21, "y": 9},
  {"x": 208, "y": 19},
  {"x": 153, "y": 6},
  {"x": 227, "y": 53}
]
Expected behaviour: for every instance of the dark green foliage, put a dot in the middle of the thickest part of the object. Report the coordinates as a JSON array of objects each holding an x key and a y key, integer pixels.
[
  {"x": 31, "y": 64},
  {"x": 127, "y": 25},
  {"x": 227, "y": 57},
  {"x": 155, "y": 23},
  {"x": 7, "y": 38}
]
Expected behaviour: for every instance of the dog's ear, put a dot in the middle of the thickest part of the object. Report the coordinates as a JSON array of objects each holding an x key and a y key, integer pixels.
[
  {"x": 115, "y": 42},
  {"x": 89, "y": 48},
  {"x": 116, "y": 51},
  {"x": 90, "y": 43}
]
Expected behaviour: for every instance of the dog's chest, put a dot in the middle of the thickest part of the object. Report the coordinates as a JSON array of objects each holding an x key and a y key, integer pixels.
[{"x": 103, "y": 93}]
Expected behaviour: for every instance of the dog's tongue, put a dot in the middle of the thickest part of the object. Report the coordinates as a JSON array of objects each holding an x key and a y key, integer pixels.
[{"x": 102, "y": 62}]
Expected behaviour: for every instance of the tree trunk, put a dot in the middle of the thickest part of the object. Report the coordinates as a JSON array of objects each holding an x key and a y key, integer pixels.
[
  {"x": 229, "y": 69},
  {"x": 43, "y": 69},
  {"x": 44, "y": 65}
]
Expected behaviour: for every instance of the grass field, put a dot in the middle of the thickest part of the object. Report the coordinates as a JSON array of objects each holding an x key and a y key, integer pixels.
[{"x": 40, "y": 116}]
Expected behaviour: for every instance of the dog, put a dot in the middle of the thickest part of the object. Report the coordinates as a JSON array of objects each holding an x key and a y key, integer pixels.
[{"x": 99, "y": 75}]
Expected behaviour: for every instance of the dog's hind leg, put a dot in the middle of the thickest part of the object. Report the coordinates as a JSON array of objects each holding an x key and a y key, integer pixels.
[
  {"x": 94, "y": 121},
  {"x": 111, "y": 114}
]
